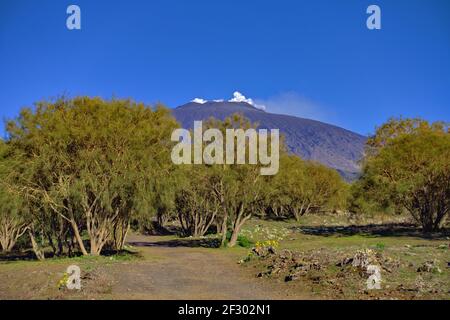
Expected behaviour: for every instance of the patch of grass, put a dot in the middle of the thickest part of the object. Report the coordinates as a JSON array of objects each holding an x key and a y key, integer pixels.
[
  {"x": 244, "y": 242},
  {"x": 403, "y": 282}
]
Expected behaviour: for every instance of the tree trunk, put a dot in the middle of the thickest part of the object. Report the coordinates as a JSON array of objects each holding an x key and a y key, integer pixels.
[
  {"x": 37, "y": 251},
  {"x": 6, "y": 240},
  {"x": 120, "y": 234},
  {"x": 10, "y": 232},
  {"x": 7, "y": 243},
  {"x": 95, "y": 250},
  {"x": 238, "y": 223},
  {"x": 78, "y": 237},
  {"x": 224, "y": 230},
  {"x": 99, "y": 234},
  {"x": 234, "y": 238}
]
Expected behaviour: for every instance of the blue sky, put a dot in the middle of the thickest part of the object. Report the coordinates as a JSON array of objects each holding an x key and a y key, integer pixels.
[{"x": 314, "y": 59}]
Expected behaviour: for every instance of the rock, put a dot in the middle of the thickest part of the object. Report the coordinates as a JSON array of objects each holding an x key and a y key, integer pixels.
[
  {"x": 315, "y": 278},
  {"x": 264, "y": 251},
  {"x": 344, "y": 262},
  {"x": 363, "y": 258},
  {"x": 429, "y": 266},
  {"x": 286, "y": 254},
  {"x": 289, "y": 278}
]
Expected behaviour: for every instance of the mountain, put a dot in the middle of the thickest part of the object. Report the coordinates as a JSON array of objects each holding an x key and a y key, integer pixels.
[{"x": 330, "y": 145}]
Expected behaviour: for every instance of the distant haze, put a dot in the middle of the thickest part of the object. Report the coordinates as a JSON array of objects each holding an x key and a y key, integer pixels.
[{"x": 330, "y": 145}]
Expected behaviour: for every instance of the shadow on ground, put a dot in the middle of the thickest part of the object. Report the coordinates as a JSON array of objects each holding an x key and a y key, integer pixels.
[
  {"x": 187, "y": 243},
  {"x": 30, "y": 256},
  {"x": 374, "y": 230},
  {"x": 18, "y": 256}
]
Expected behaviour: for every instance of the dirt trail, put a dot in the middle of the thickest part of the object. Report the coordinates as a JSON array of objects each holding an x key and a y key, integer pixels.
[{"x": 180, "y": 272}]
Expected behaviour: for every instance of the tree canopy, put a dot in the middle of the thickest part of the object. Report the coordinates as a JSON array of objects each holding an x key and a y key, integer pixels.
[
  {"x": 90, "y": 163},
  {"x": 410, "y": 169}
]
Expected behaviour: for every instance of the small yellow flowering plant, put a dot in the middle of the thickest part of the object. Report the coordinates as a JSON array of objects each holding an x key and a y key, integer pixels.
[
  {"x": 267, "y": 244},
  {"x": 62, "y": 283},
  {"x": 260, "y": 247}
]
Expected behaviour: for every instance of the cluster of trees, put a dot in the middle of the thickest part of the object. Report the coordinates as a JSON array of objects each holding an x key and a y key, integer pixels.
[
  {"x": 407, "y": 169},
  {"x": 221, "y": 198},
  {"x": 303, "y": 187},
  {"x": 74, "y": 173},
  {"x": 77, "y": 174}
]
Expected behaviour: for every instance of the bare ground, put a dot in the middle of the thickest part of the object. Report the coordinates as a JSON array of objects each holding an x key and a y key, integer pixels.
[
  {"x": 182, "y": 272},
  {"x": 167, "y": 269}
]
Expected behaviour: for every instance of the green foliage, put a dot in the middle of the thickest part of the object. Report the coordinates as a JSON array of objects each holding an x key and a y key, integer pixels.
[
  {"x": 410, "y": 170},
  {"x": 91, "y": 163},
  {"x": 302, "y": 187},
  {"x": 238, "y": 188},
  {"x": 244, "y": 242},
  {"x": 14, "y": 217},
  {"x": 197, "y": 206},
  {"x": 76, "y": 173},
  {"x": 395, "y": 128}
]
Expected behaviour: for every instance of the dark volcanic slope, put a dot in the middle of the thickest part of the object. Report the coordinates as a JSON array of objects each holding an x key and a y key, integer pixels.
[{"x": 313, "y": 140}]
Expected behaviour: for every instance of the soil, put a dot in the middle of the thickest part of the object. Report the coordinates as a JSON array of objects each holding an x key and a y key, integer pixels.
[
  {"x": 182, "y": 272},
  {"x": 166, "y": 269}
]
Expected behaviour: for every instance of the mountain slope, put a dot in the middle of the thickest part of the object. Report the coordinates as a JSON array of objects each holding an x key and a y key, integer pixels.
[{"x": 312, "y": 140}]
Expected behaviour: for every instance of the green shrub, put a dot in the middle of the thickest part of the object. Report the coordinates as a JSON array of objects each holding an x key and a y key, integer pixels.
[{"x": 244, "y": 242}]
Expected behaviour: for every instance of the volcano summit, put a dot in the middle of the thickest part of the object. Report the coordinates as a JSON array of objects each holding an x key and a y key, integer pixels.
[{"x": 330, "y": 145}]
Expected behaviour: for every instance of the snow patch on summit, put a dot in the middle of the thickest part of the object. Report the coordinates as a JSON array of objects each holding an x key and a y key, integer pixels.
[
  {"x": 199, "y": 101},
  {"x": 237, "y": 98}
]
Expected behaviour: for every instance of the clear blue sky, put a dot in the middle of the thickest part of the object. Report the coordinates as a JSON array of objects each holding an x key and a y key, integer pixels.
[{"x": 312, "y": 58}]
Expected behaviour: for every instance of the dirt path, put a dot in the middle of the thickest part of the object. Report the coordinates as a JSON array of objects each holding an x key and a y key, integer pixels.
[
  {"x": 181, "y": 272},
  {"x": 172, "y": 269}
]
